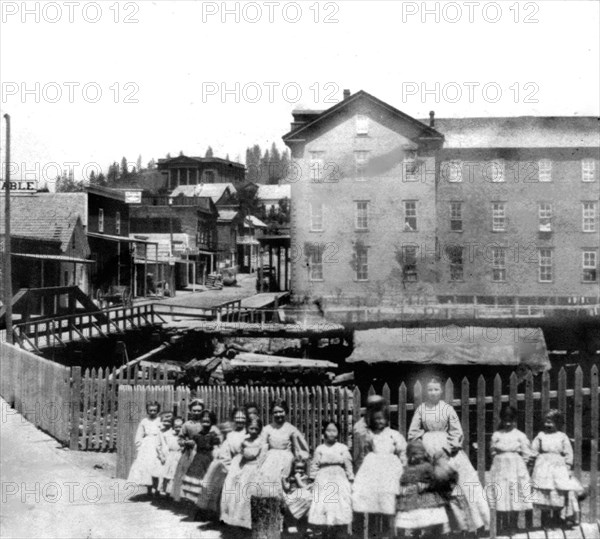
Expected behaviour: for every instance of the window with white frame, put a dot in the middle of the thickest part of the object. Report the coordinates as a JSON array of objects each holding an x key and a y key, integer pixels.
[
  {"x": 495, "y": 171},
  {"x": 545, "y": 256},
  {"x": 589, "y": 210},
  {"x": 118, "y": 223},
  {"x": 456, "y": 219},
  {"x": 545, "y": 216},
  {"x": 316, "y": 216},
  {"x": 498, "y": 264},
  {"x": 455, "y": 254},
  {"x": 588, "y": 170},
  {"x": 100, "y": 220},
  {"x": 498, "y": 216},
  {"x": 362, "y": 124},
  {"x": 315, "y": 262},
  {"x": 316, "y": 166},
  {"x": 410, "y": 166},
  {"x": 452, "y": 171},
  {"x": 410, "y": 215},
  {"x": 590, "y": 266},
  {"x": 362, "y": 263},
  {"x": 361, "y": 220},
  {"x": 361, "y": 157},
  {"x": 545, "y": 170}
]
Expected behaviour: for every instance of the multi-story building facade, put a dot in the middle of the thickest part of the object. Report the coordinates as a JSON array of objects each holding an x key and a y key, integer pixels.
[
  {"x": 185, "y": 170},
  {"x": 384, "y": 205}
]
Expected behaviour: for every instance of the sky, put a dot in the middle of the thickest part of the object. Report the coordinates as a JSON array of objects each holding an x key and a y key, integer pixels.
[{"x": 90, "y": 82}]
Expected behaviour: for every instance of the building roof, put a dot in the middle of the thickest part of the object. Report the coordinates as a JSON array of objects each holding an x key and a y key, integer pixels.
[
  {"x": 520, "y": 132},
  {"x": 255, "y": 221},
  {"x": 300, "y": 132},
  {"x": 45, "y": 216},
  {"x": 182, "y": 158},
  {"x": 274, "y": 192},
  {"x": 116, "y": 193},
  {"x": 227, "y": 215},
  {"x": 213, "y": 190}
]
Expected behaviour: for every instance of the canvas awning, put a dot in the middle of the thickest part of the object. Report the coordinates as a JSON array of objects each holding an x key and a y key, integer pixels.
[
  {"x": 56, "y": 258},
  {"x": 453, "y": 345}
]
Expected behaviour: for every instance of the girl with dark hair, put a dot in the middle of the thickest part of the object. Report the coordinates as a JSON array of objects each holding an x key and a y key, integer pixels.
[
  {"x": 209, "y": 499},
  {"x": 284, "y": 442},
  {"x": 242, "y": 480},
  {"x": 511, "y": 451},
  {"x": 378, "y": 479},
  {"x": 436, "y": 424},
  {"x": 331, "y": 468},
  {"x": 252, "y": 409},
  {"x": 298, "y": 494},
  {"x": 147, "y": 467},
  {"x": 555, "y": 491},
  {"x": 204, "y": 441}
]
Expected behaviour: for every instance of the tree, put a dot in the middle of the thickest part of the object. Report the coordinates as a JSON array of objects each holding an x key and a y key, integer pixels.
[
  {"x": 151, "y": 164},
  {"x": 113, "y": 174},
  {"x": 168, "y": 156},
  {"x": 209, "y": 152},
  {"x": 67, "y": 184},
  {"x": 138, "y": 163},
  {"x": 101, "y": 180},
  {"x": 124, "y": 168},
  {"x": 227, "y": 157}
]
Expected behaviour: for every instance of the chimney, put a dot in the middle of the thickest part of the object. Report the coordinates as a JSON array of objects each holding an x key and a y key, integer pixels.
[
  {"x": 431, "y": 118},
  {"x": 346, "y": 94}
]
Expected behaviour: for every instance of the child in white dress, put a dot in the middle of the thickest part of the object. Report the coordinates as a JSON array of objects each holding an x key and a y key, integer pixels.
[
  {"x": 146, "y": 470},
  {"x": 509, "y": 476},
  {"x": 555, "y": 491},
  {"x": 173, "y": 453}
]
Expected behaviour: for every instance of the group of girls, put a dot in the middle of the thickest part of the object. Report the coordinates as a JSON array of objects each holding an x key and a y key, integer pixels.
[{"x": 426, "y": 485}]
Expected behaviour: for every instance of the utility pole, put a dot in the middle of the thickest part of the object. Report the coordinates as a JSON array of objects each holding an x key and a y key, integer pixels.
[{"x": 7, "y": 247}]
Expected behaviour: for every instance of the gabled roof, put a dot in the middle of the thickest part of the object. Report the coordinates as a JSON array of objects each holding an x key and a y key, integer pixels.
[
  {"x": 215, "y": 191},
  {"x": 274, "y": 192},
  {"x": 45, "y": 216},
  {"x": 299, "y": 133},
  {"x": 520, "y": 132},
  {"x": 113, "y": 192},
  {"x": 255, "y": 221},
  {"x": 227, "y": 215}
]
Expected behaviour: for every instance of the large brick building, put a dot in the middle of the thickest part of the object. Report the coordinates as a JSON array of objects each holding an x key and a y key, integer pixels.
[{"x": 474, "y": 209}]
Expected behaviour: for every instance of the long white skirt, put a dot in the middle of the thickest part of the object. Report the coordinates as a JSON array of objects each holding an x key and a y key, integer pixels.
[{"x": 377, "y": 484}]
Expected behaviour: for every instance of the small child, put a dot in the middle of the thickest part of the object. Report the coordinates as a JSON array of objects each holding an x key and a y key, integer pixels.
[
  {"x": 555, "y": 491},
  {"x": 377, "y": 481},
  {"x": 147, "y": 467},
  {"x": 421, "y": 503},
  {"x": 297, "y": 494},
  {"x": 511, "y": 451},
  {"x": 331, "y": 469},
  {"x": 173, "y": 448}
]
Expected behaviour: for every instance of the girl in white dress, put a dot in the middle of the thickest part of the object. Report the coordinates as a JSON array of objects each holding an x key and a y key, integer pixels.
[
  {"x": 437, "y": 425},
  {"x": 146, "y": 470},
  {"x": 173, "y": 448},
  {"x": 331, "y": 469},
  {"x": 377, "y": 481},
  {"x": 511, "y": 451},
  {"x": 555, "y": 491}
]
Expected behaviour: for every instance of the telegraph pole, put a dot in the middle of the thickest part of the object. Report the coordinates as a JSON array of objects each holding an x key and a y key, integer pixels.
[{"x": 7, "y": 247}]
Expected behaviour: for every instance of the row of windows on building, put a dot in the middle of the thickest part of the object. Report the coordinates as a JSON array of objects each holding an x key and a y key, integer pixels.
[
  {"x": 456, "y": 255},
  {"x": 451, "y": 171},
  {"x": 589, "y": 211}
]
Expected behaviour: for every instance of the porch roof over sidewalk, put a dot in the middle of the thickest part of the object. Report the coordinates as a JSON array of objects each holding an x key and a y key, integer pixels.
[
  {"x": 56, "y": 258},
  {"x": 453, "y": 345}
]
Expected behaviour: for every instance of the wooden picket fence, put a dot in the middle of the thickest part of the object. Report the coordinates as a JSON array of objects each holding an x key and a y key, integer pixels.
[
  {"x": 97, "y": 394},
  {"x": 37, "y": 388},
  {"x": 478, "y": 408},
  {"x": 308, "y": 407}
]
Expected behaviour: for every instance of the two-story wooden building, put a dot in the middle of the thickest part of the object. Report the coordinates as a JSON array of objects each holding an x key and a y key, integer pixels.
[
  {"x": 385, "y": 206},
  {"x": 185, "y": 170}
]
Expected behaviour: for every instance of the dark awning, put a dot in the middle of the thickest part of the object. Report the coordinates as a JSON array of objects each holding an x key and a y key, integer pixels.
[{"x": 453, "y": 345}]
